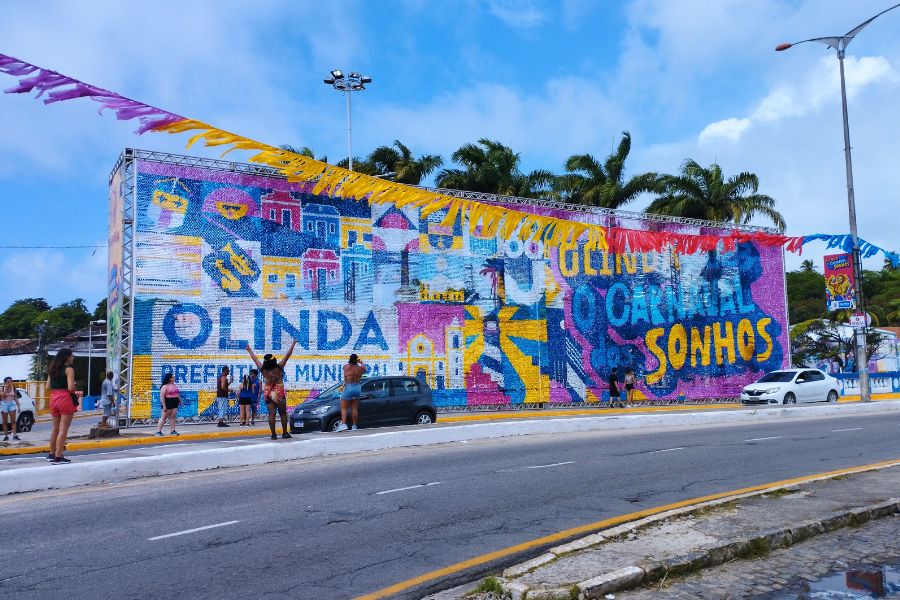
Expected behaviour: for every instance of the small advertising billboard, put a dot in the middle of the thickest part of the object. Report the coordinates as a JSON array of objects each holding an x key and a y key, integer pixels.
[{"x": 840, "y": 292}]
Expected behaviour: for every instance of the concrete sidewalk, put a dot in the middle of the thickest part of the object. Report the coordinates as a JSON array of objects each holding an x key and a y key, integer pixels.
[
  {"x": 36, "y": 441},
  {"x": 645, "y": 553}
]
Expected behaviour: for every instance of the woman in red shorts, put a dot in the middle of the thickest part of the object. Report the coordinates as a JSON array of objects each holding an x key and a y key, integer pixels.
[
  {"x": 273, "y": 387},
  {"x": 61, "y": 388}
]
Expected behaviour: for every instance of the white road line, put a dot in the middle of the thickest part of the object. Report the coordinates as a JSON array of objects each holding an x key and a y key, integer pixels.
[
  {"x": 666, "y": 450},
  {"x": 848, "y": 429},
  {"x": 526, "y": 468},
  {"x": 186, "y": 531},
  {"x": 411, "y": 487},
  {"x": 559, "y": 464},
  {"x": 774, "y": 437}
]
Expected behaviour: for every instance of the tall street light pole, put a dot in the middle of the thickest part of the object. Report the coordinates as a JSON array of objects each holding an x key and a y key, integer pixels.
[
  {"x": 354, "y": 82},
  {"x": 840, "y": 43},
  {"x": 91, "y": 350}
]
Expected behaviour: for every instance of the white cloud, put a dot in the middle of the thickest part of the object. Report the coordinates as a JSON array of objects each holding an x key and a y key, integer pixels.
[
  {"x": 545, "y": 125},
  {"x": 518, "y": 14},
  {"x": 729, "y": 129},
  {"x": 791, "y": 99},
  {"x": 56, "y": 275}
]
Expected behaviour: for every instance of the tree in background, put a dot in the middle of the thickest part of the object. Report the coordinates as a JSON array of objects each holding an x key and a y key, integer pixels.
[
  {"x": 701, "y": 193},
  {"x": 303, "y": 151},
  {"x": 493, "y": 168},
  {"x": 19, "y": 320},
  {"x": 807, "y": 266},
  {"x": 397, "y": 163},
  {"x": 820, "y": 340},
  {"x": 591, "y": 183},
  {"x": 100, "y": 311},
  {"x": 22, "y": 318}
]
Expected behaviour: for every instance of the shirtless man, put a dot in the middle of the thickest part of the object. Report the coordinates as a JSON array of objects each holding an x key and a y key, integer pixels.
[
  {"x": 272, "y": 372},
  {"x": 353, "y": 372}
]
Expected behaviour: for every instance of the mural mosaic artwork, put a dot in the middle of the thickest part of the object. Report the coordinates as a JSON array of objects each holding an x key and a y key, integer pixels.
[{"x": 223, "y": 259}]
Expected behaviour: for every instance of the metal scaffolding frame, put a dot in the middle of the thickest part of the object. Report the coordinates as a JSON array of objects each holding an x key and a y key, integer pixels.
[{"x": 127, "y": 163}]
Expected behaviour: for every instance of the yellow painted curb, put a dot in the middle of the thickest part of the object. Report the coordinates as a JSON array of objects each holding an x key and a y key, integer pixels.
[
  {"x": 875, "y": 397},
  {"x": 143, "y": 440},
  {"x": 606, "y": 523}
]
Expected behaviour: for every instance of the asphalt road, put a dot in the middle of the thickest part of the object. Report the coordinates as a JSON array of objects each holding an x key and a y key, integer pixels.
[{"x": 339, "y": 527}]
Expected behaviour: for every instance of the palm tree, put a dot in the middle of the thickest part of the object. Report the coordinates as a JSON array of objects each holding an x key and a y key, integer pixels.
[
  {"x": 303, "y": 151},
  {"x": 589, "y": 182},
  {"x": 493, "y": 168},
  {"x": 807, "y": 266},
  {"x": 398, "y": 164},
  {"x": 700, "y": 193}
]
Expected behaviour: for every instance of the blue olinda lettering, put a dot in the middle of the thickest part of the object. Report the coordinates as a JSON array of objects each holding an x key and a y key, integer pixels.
[{"x": 333, "y": 330}]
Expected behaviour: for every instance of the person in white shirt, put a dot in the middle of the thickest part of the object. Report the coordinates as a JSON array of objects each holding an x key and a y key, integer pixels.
[{"x": 107, "y": 399}]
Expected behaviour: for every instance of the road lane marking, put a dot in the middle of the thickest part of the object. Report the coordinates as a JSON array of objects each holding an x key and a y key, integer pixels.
[
  {"x": 666, "y": 450},
  {"x": 774, "y": 437},
  {"x": 526, "y": 468},
  {"x": 410, "y": 487},
  {"x": 848, "y": 429},
  {"x": 194, "y": 530},
  {"x": 559, "y": 464},
  {"x": 604, "y": 524}
]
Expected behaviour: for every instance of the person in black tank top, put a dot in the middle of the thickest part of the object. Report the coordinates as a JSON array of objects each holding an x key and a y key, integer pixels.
[{"x": 63, "y": 402}]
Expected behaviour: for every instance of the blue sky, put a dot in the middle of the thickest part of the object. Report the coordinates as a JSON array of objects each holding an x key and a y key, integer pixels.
[{"x": 688, "y": 78}]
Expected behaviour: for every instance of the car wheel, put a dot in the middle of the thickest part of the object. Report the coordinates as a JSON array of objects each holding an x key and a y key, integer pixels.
[
  {"x": 790, "y": 398},
  {"x": 423, "y": 417},
  {"x": 832, "y": 396},
  {"x": 24, "y": 422},
  {"x": 333, "y": 424}
]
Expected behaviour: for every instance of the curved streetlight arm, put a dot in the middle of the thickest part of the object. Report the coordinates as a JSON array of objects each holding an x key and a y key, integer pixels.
[{"x": 840, "y": 42}]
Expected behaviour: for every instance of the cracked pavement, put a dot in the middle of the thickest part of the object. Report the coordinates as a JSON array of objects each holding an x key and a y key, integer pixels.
[{"x": 318, "y": 529}]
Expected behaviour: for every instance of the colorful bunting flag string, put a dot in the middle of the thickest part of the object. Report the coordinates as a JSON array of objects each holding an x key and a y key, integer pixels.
[{"x": 487, "y": 219}]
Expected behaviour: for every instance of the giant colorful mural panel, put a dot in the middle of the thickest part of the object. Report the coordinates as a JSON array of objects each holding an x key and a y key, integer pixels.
[{"x": 224, "y": 259}]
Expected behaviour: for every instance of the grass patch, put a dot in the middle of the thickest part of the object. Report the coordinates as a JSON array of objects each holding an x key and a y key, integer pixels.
[
  {"x": 708, "y": 510},
  {"x": 758, "y": 548},
  {"x": 780, "y": 493},
  {"x": 488, "y": 585}
]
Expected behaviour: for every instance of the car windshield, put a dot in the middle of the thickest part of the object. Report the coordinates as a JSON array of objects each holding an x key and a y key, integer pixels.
[
  {"x": 777, "y": 377},
  {"x": 331, "y": 393}
]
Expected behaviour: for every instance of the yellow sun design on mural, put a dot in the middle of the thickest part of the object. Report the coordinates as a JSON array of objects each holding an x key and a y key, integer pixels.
[{"x": 513, "y": 330}]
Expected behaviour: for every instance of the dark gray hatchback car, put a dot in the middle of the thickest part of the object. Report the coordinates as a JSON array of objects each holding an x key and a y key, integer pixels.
[{"x": 384, "y": 401}]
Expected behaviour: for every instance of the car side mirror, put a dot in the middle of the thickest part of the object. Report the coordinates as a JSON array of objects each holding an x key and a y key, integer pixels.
[{"x": 801, "y": 381}]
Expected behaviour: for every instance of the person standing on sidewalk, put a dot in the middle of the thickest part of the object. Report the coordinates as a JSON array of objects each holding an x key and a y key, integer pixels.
[
  {"x": 63, "y": 402},
  {"x": 9, "y": 407},
  {"x": 249, "y": 394},
  {"x": 257, "y": 387},
  {"x": 353, "y": 372},
  {"x": 107, "y": 399},
  {"x": 273, "y": 388},
  {"x": 223, "y": 391},
  {"x": 170, "y": 400},
  {"x": 613, "y": 381},
  {"x": 629, "y": 387}
]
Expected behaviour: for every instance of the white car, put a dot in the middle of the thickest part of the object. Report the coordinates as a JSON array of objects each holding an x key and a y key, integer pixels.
[
  {"x": 27, "y": 411},
  {"x": 790, "y": 386}
]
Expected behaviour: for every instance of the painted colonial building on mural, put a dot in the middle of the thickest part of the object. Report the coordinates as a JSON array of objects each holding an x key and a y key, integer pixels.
[{"x": 224, "y": 255}]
